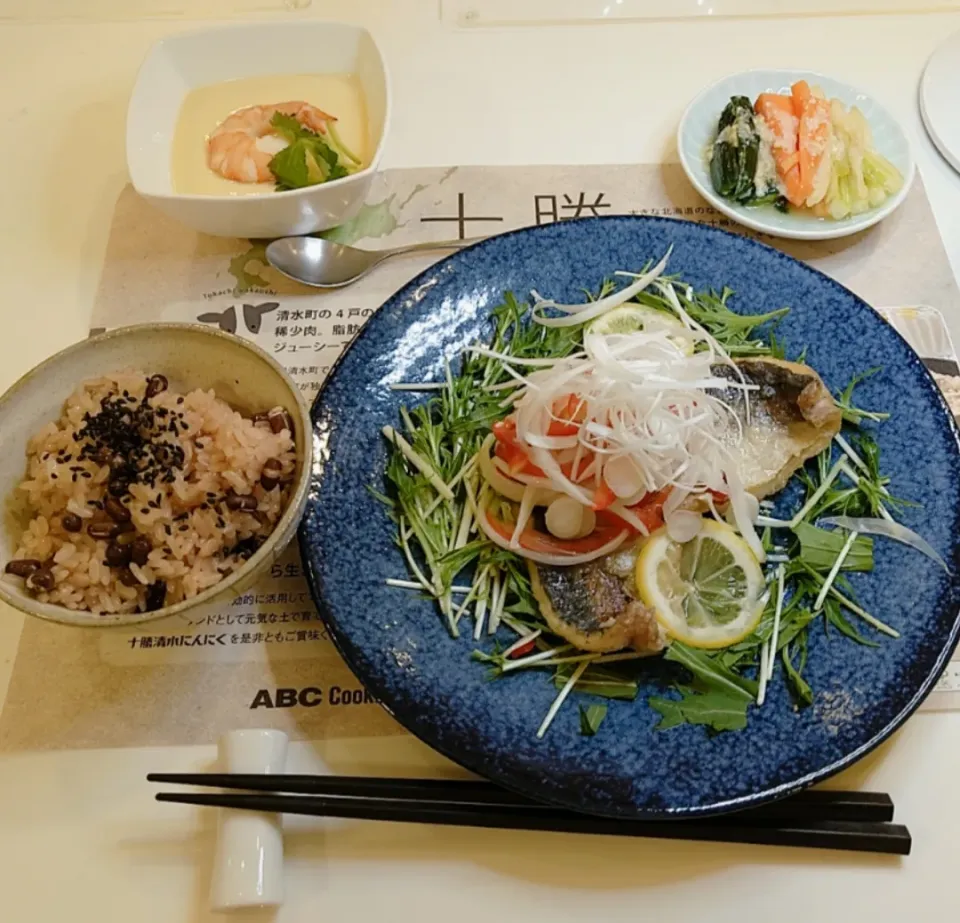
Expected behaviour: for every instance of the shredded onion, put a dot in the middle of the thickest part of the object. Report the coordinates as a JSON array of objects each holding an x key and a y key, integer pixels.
[
  {"x": 523, "y": 516},
  {"x": 652, "y": 413},
  {"x": 557, "y": 560},
  {"x": 887, "y": 529},
  {"x": 507, "y": 487},
  {"x": 581, "y": 313},
  {"x": 629, "y": 517}
]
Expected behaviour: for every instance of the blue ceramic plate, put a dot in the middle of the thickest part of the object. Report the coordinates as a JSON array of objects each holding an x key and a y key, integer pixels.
[{"x": 396, "y": 644}]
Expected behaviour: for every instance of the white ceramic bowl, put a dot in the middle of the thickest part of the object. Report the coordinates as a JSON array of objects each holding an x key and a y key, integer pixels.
[
  {"x": 191, "y": 356},
  {"x": 698, "y": 128},
  {"x": 174, "y": 66}
]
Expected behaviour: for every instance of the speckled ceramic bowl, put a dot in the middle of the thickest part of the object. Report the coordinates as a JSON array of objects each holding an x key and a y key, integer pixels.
[{"x": 190, "y": 356}]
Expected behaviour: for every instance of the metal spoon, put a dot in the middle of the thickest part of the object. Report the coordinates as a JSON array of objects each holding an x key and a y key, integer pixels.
[{"x": 325, "y": 264}]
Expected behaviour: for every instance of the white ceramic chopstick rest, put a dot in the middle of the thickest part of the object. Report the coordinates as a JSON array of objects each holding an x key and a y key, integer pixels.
[{"x": 248, "y": 865}]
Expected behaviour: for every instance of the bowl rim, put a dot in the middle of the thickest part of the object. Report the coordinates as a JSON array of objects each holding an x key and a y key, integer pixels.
[
  {"x": 369, "y": 169},
  {"x": 288, "y": 522},
  {"x": 817, "y": 231}
]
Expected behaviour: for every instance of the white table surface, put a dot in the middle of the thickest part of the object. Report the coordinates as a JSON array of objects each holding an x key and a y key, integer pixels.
[{"x": 80, "y": 837}]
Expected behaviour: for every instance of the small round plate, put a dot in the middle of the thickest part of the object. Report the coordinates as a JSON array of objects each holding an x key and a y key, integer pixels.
[{"x": 698, "y": 128}]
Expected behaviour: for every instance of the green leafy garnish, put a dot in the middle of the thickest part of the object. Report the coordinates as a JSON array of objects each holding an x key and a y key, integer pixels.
[
  {"x": 605, "y": 682},
  {"x": 820, "y": 547},
  {"x": 307, "y": 160},
  {"x": 716, "y": 709},
  {"x": 851, "y": 413},
  {"x": 591, "y": 718},
  {"x": 718, "y": 696}
]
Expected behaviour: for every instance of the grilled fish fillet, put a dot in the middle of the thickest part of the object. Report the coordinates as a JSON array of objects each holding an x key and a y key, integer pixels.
[
  {"x": 792, "y": 418},
  {"x": 592, "y": 606}
]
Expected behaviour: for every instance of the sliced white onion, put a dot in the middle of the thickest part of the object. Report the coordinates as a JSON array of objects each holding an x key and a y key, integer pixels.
[
  {"x": 506, "y": 486},
  {"x": 674, "y": 501},
  {"x": 887, "y": 529},
  {"x": 523, "y": 515},
  {"x": 581, "y": 313},
  {"x": 629, "y": 517},
  {"x": 557, "y": 560},
  {"x": 684, "y": 525},
  {"x": 501, "y": 484},
  {"x": 744, "y": 513},
  {"x": 564, "y": 518}
]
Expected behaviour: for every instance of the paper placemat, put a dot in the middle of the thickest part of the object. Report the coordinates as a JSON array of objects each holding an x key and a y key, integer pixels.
[{"x": 265, "y": 659}]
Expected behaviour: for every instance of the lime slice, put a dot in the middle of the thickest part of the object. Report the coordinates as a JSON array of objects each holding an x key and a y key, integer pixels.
[
  {"x": 708, "y": 592},
  {"x": 631, "y": 317}
]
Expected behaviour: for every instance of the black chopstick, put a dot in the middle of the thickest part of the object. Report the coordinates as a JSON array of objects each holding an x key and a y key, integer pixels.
[
  {"x": 820, "y": 804},
  {"x": 892, "y": 839},
  {"x": 828, "y": 819}
]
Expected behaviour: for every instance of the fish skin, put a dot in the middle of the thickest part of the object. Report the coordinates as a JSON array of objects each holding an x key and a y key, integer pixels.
[{"x": 590, "y": 606}]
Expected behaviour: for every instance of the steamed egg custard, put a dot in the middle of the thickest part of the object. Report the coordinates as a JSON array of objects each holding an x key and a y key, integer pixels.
[{"x": 269, "y": 133}]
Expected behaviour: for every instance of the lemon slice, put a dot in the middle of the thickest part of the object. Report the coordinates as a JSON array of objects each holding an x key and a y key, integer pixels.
[
  {"x": 708, "y": 592},
  {"x": 631, "y": 317}
]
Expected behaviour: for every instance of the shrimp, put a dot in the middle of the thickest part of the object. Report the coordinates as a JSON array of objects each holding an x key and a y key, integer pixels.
[{"x": 232, "y": 149}]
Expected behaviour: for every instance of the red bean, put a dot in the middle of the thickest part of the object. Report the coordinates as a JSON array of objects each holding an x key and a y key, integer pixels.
[{"x": 23, "y": 567}]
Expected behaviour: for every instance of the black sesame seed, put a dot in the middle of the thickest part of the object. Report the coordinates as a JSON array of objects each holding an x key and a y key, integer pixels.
[
  {"x": 54, "y": 475},
  {"x": 144, "y": 510},
  {"x": 156, "y": 596},
  {"x": 168, "y": 530},
  {"x": 179, "y": 400},
  {"x": 85, "y": 474}
]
